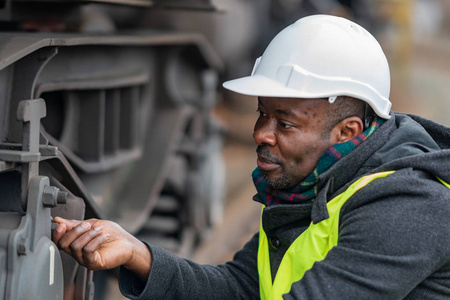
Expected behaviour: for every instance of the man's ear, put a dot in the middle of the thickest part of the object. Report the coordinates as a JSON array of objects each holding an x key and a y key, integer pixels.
[{"x": 347, "y": 129}]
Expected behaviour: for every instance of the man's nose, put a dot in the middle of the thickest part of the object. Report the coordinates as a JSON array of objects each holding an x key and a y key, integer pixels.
[{"x": 264, "y": 133}]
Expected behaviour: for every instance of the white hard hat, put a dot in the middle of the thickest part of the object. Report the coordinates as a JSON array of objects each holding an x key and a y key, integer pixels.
[{"x": 321, "y": 56}]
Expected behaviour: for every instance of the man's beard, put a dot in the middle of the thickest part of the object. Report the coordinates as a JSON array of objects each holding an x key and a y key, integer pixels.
[{"x": 280, "y": 183}]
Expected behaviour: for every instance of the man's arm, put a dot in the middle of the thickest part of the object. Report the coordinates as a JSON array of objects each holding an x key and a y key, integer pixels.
[{"x": 100, "y": 244}]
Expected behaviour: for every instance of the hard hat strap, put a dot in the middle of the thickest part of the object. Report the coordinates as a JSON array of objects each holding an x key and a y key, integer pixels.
[{"x": 369, "y": 114}]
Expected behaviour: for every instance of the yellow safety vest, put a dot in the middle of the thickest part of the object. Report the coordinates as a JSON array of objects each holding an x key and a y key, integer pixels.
[{"x": 311, "y": 246}]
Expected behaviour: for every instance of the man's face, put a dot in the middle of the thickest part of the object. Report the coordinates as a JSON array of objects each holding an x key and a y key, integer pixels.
[{"x": 291, "y": 135}]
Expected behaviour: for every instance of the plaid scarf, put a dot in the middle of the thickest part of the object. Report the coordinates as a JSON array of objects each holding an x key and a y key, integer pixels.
[{"x": 306, "y": 191}]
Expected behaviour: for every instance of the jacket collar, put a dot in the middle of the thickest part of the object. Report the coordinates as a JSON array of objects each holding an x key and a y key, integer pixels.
[{"x": 348, "y": 169}]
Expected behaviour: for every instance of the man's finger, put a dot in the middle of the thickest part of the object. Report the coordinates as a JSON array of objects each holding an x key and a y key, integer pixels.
[
  {"x": 91, "y": 252},
  {"x": 79, "y": 243},
  {"x": 69, "y": 223},
  {"x": 58, "y": 233},
  {"x": 70, "y": 236}
]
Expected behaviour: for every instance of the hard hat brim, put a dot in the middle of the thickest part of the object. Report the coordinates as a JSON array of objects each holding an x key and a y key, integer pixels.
[{"x": 261, "y": 86}]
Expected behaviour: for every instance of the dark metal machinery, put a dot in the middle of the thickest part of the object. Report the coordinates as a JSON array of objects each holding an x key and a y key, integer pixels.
[{"x": 106, "y": 125}]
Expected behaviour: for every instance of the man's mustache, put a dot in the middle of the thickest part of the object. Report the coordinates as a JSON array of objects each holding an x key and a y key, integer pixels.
[{"x": 265, "y": 153}]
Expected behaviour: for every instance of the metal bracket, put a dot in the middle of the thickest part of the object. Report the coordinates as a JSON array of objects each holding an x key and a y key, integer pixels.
[
  {"x": 29, "y": 244},
  {"x": 13, "y": 153},
  {"x": 30, "y": 247},
  {"x": 30, "y": 113}
]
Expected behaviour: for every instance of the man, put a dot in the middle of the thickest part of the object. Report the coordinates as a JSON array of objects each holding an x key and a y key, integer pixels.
[{"x": 355, "y": 198}]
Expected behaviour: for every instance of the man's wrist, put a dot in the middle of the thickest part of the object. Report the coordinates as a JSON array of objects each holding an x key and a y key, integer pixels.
[{"x": 141, "y": 260}]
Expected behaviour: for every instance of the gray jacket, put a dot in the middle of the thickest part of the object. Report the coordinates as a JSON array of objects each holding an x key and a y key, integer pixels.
[{"x": 394, "y": 234}]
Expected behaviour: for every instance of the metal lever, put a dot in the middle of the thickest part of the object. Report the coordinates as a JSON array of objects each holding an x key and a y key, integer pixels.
[{"x": 30, "y": 112}]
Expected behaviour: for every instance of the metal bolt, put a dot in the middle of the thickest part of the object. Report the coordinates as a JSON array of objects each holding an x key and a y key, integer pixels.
[
  {"x": 61, "y": 198},
  {"x": 22, "y": 246},
  {"x": 50, "y": 196}
]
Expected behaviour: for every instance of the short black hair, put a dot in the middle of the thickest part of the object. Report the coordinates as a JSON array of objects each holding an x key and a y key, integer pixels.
[{"x": 343, "y": 108}]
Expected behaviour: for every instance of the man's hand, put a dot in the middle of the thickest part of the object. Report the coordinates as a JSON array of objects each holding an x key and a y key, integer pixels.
[{"x": 100, "y": 244}]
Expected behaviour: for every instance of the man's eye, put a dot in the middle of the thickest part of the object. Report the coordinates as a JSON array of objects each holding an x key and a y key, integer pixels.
[
  {"x": 284, "y": 125},
  {"x": 261, "y": 114}
]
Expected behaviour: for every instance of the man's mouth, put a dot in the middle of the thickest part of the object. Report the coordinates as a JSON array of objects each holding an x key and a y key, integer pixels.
[
  {"x": 265, "y": 165},
  {"x": 265, "y": 160}
]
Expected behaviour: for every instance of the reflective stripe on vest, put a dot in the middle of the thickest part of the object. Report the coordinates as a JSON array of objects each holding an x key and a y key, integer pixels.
[
  {"x": 444, "y": 183},
  {"x": 311, "y": 246}
]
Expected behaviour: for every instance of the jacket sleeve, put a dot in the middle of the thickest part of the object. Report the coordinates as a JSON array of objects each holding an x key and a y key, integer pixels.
[
  {"x": 393, "y": 244},
  {"x": 172, "y": 277}
]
